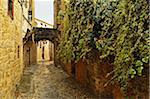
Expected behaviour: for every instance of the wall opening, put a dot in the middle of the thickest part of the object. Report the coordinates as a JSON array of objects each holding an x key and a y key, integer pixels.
[
  {"x": 45, "y": 50},
  {"x": 11, "y": 8},
  {"x": 18, "y": 52}
]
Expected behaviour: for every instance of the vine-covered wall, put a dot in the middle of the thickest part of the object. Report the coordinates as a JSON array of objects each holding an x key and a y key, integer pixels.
[{"x": 117, "y": 29}]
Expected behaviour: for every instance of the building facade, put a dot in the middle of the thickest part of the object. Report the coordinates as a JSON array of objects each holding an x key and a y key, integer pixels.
[
  {"x": 13, "y": 26},
  {"x": 42, "y": 24},
  {"x": 44, "y": 47},
  {"x": 29, "y": 46},
  {"x": 58, "y": 6}
]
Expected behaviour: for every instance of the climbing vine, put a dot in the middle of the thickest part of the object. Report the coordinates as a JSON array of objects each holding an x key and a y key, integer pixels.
[{"x": 117, "y": 28}]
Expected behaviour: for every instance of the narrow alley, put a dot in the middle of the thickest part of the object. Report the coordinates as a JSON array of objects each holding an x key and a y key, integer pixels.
[
  {"x": 45, "y": 81},
  {"x": 74, "y": 49}
]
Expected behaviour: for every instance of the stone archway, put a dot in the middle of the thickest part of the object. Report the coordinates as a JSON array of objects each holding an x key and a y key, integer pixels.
[
  {"x": 45, "y": 33},
  {"x": 49, "y": 35}
]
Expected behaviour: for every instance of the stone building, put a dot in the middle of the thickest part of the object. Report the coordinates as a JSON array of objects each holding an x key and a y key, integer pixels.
[
  {"x": 14, "y": 24},
  {"x": 58, "y": 6},
  {"x": 42, "y": 24},
  {"x": 56, "y": 10},
  {"x": 29, "y": 46},
  {"x": 44, "y": 46}
]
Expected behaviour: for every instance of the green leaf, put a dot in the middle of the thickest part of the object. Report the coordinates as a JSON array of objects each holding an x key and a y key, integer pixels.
[
  {"x": 132, "y": 76},
  {"x": 145, "y": 59},
  {"x": 111, "y": 48},
  {"x": 132, "y": 71},
  {"x": 139, "y": 63},
  {"x": 139, "y": 69}
]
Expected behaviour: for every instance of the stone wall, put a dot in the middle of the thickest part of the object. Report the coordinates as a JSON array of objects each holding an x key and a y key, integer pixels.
[
  {"x": 30, "y": 53},
  {"x": 81, "y": 72},
  {"x": 93, "y": 74},
  {"x": 58, "y": 5},
  {"x": 51, "y": 51},
  {"x": 11, "y": 49},
  {"x": 97, "y": 78}
]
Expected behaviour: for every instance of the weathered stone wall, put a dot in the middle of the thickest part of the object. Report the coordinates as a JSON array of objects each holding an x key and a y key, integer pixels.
[
  {"x": 30, "y": 53},
  {"x": 51, "y": 51},
  {"x": 11, "y": 49},
  {"x": 58, "y": 5},
  {"x": 97, "y": 78},
  {"x": 81, "y": 72},
  {"x": 94, "y": 75}
]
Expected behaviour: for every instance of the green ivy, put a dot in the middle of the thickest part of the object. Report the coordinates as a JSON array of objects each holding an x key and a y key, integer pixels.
[{"x": 116, "y": 28}]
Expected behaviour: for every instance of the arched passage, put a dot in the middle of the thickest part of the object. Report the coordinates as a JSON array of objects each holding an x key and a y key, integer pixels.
[
  {"x": 45, "y": 34},
  {"x": 46, "y": 39},
  {"x": 45, "y": 48}
]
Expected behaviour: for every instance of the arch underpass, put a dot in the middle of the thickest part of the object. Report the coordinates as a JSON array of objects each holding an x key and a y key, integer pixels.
[
  {"x": 32, "y": 40},
  {"x": 44, "y": 34}
]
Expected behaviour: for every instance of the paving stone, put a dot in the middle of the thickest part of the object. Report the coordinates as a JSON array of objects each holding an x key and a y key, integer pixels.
[{"x": 49, "y": 82}]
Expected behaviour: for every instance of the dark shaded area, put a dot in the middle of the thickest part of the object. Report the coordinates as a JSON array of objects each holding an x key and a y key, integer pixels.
[{"x": 45, "y": 33}]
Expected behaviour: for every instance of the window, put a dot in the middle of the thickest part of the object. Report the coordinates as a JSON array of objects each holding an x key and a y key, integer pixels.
[
  {"x": 30, "y": 15},
  {"x": 18, "y": 53},
  {"x": 11, "y": 8}
]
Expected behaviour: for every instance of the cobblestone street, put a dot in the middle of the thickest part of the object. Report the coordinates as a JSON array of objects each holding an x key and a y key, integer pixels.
[
  {"x": 101, "y": 48},
  {"x": 45, "y": 81}
]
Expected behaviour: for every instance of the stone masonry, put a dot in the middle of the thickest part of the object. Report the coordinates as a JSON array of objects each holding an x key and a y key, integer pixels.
[
  {"x": 11, "y": 47},
  {"x": 29, "y": 53}
]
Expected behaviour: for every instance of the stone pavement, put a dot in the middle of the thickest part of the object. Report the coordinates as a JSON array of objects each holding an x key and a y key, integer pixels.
[{"x": 45, "y": 81}]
